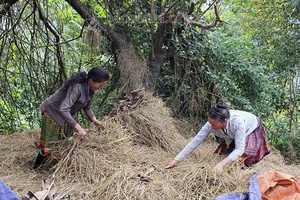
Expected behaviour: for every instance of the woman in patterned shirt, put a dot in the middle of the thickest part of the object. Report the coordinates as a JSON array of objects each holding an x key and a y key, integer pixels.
[{"x": 248, "y": 138}]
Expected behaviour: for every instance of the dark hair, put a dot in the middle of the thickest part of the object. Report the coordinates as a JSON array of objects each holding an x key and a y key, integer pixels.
[
  {"x": 97, "y": 74},
  {"x": 219, "y": 112}
]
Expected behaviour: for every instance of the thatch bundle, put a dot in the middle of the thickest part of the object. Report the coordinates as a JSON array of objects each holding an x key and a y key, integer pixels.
[
  {"x": 125, "y": 160},
  {"x": 133, "y": 70}
]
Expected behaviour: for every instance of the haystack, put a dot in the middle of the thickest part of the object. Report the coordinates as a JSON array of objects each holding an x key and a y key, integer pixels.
[{"x": 126, "y": 159}]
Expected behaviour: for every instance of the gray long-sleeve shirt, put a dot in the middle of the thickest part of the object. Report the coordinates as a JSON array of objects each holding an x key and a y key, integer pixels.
[
  {"x": 63, "y": 106},
  {"x": 239, "y": 126}
]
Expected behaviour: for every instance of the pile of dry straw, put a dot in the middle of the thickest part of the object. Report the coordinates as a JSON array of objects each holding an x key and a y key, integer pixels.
[{"x": 126, "y": 161}]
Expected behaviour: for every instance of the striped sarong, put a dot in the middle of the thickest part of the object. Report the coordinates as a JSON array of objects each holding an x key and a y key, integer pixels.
[
  {"x": 257, "y": 146},
  {"x": 51, "y": 133}
]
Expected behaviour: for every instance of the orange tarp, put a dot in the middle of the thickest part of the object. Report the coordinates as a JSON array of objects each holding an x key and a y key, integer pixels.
[{"x": 278, "y": 186}]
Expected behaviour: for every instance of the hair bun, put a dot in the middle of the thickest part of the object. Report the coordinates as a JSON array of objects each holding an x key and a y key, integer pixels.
[{"x": 221, "y": 106}]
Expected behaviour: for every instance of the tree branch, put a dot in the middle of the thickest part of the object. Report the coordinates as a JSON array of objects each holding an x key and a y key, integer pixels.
[
  {"x": 207, "y": 26},
  {"x": 57, "y": 38},
  {"x": 8, "y": 3}
]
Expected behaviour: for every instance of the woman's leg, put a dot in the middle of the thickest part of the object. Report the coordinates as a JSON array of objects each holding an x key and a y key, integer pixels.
[{"x": 51, "y": 132}]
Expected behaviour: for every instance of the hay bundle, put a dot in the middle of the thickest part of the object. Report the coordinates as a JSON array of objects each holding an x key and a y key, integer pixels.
[
  {"x": 110, "y": 163},
  {"x": 150, "y": 124},
  {"x": 133, "y": 70}
]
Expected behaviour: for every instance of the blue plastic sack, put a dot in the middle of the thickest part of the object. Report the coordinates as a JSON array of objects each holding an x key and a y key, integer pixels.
[
  {"x": 233, "y": 196},
  {"x": 6, "y": 193},
  {"x": 254, "y": 191}
]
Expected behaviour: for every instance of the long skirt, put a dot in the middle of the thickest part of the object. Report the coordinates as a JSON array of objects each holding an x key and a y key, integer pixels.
[
  {"x": 52, "y": 133},
  {"x": 256, "y": 146}
]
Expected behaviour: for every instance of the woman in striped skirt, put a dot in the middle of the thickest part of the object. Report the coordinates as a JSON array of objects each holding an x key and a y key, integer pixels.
[
  {"x": 244, "y": 132},
  {"x": 60, "y": 110}
]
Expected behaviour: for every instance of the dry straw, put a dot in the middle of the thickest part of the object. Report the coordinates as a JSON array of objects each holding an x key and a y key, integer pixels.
[
  {"x": 133, "y": 70},
  {"x": 125, "y": 160}
]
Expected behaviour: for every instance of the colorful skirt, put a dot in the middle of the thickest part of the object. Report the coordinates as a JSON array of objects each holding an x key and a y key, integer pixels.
[
  {"x": 52, "y": 133},
  {"x": 256, "y": 146}
]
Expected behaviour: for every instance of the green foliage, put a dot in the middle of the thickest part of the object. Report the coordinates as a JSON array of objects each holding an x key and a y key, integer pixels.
[
  {"x": 240, "y": 75},
  {"x": 278, "y": 131},
  {"x": 183, "y": 80},
  {"x": 282, "y": 136}
]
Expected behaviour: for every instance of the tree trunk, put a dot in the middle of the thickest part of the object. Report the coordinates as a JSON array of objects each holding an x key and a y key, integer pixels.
[{"x": 135, "y": 73}]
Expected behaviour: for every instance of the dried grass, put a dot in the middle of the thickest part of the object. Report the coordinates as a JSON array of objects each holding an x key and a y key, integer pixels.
[
  {"x": 132, "y": 69},
  {"x": 109, "y": 162}
]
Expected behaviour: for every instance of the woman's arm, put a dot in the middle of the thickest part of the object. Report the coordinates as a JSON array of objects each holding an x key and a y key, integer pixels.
[
  {"x": 191, "y": 146},
  {"x": 239, "y": 130}
]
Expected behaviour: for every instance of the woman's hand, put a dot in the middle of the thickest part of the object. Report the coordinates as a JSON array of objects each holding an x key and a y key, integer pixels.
[
  {"x": 219, "y": 167},
  {"x": 97, "y": 122},
  {"x": 171, "y": 164},
  {"x": 81, "y": 133}
]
